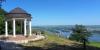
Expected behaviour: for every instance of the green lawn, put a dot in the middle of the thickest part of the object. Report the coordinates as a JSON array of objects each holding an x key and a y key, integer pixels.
[
  {"x": 95, "y": 44},
  {"x": 50, "y": 39},
  {"x": 53, "y": 42}
]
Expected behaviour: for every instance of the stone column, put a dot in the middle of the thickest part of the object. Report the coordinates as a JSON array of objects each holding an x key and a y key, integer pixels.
[
  {"x": 30, "y": 28},
  {"x": 6, "y": 28},
  {"x": 14, "y": 28},
  {"x": 25, "y": 27}
]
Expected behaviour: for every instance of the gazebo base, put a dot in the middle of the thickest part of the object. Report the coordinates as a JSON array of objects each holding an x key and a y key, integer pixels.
[{"x": 20, "y": 38}]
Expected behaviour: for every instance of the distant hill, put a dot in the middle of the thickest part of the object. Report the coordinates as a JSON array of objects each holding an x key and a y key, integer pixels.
[{"x": 54, "y": 28}]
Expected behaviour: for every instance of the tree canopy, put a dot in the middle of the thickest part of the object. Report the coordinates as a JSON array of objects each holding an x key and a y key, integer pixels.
[
  {"x": 2, "y": 15},
  {"x": 80, "y": 32}
]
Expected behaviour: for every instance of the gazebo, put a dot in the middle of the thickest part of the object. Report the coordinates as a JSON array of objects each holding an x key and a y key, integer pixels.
[{"x": 18, "y": 14}]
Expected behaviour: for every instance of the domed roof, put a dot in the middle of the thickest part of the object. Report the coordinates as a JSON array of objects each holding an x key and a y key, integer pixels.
[
  {"x": 18, "y": 13},
  {"x": 17, "y": 10}
]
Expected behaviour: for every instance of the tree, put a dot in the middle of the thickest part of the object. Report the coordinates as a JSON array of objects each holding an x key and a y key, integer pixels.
[
  {"x": 80, "y": 32},
  {"x": 2, "y": 23}
]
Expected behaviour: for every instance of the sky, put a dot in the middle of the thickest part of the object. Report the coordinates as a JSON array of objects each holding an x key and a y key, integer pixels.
[{"x": 59, "y": 12}]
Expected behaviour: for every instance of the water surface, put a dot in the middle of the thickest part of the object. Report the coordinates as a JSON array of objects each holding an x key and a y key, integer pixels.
[{"x": 95, "y": 36}]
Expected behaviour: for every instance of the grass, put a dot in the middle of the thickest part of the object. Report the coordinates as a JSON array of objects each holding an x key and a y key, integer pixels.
[
  {"x": 55, "y": 40},
  {"x": 50, "y": 38},
  {"x": 95, "y": 44}
]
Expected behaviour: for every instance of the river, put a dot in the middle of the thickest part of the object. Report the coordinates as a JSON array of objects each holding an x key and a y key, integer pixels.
[{"x": 95, "y": 36}]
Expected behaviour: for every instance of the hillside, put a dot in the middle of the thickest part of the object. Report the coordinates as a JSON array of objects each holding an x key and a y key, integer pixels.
[{"x": 53, "y": 42}]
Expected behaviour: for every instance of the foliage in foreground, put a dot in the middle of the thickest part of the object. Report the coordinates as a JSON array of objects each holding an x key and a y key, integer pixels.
[{"x": 2, "y": 15}]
